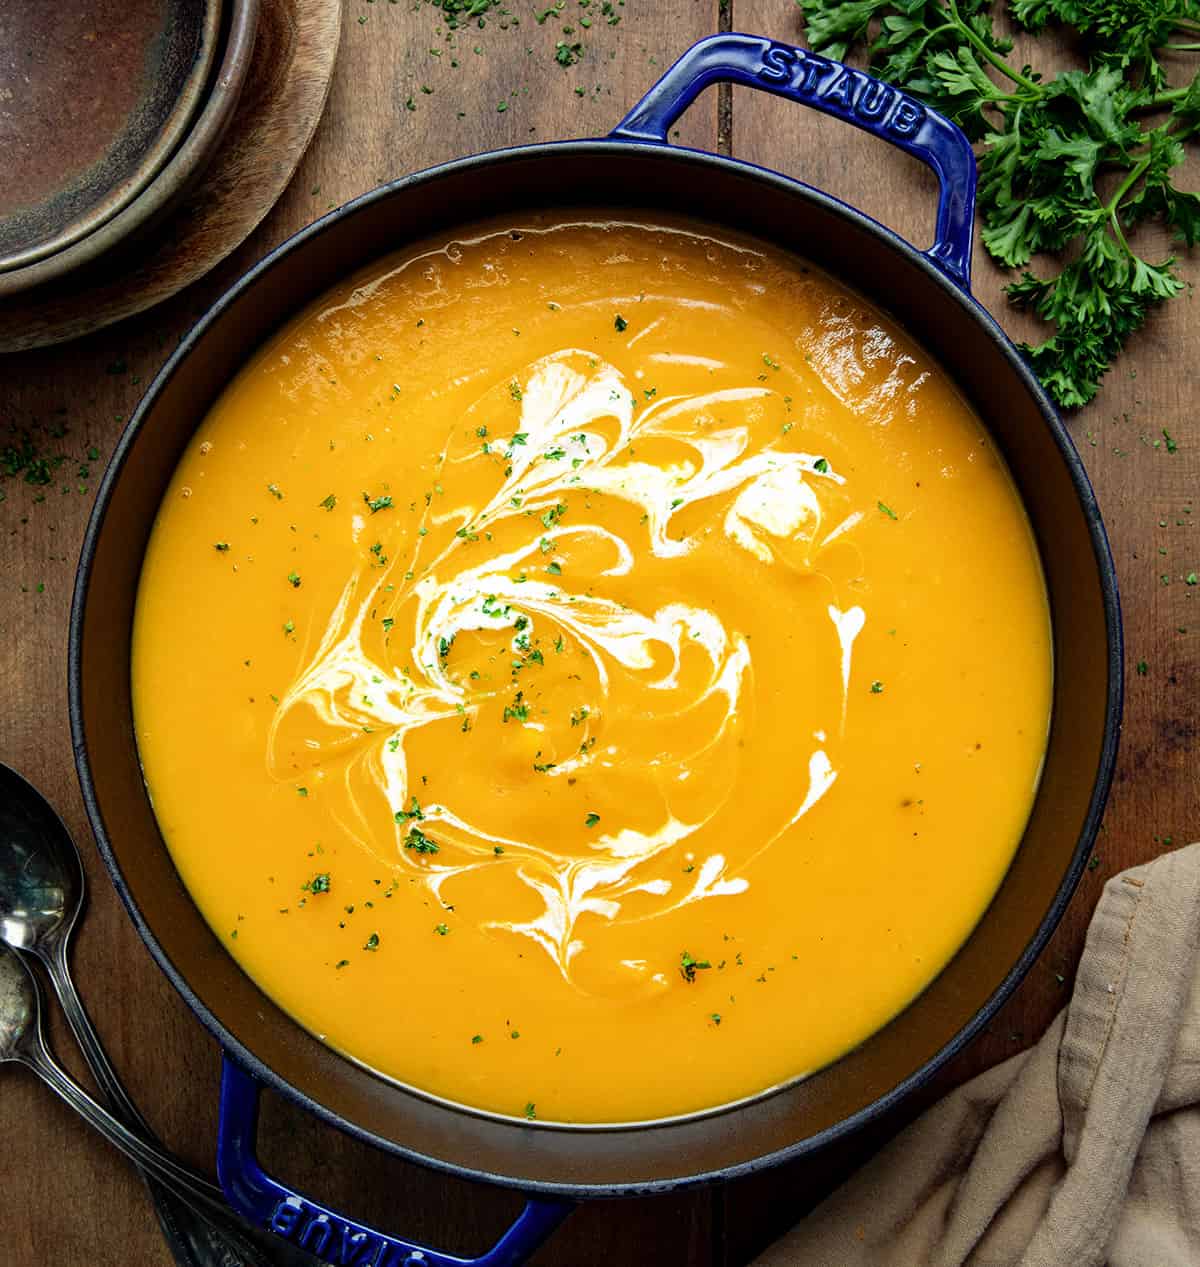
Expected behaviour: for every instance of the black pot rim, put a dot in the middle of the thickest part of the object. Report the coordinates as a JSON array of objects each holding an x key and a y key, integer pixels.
[{"x": 970, "y": 308}]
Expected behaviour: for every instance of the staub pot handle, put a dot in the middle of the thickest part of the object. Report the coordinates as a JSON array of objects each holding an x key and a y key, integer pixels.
[{"x": 754, "y": 61}]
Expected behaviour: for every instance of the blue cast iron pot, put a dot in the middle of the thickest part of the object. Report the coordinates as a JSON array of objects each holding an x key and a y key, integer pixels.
[{"x": 928, "y": 293}]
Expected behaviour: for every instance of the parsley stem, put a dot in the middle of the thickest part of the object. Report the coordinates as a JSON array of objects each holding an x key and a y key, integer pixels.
[
  {"x": 972, "y": 37},
  {"x": 1183, "y": 24},
  {"x": 1183, "y": 48},
  {"x": 1125, "y": 186},
  {"x": 1164, "y": 98}
]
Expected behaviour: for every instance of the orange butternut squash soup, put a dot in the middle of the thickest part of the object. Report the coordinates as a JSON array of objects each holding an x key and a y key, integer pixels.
[{"x": 592, "y": 670}]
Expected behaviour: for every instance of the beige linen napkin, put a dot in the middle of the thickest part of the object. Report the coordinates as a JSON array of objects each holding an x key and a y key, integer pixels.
[{"x": 1082, "y": 1152}]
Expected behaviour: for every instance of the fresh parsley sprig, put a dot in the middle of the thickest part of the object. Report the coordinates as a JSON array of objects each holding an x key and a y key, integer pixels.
[{"x": 1067, "y": 165}]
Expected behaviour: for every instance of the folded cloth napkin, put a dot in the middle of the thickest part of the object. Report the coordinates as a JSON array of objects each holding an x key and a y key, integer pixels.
[{"x": 1081, "y": 1152}]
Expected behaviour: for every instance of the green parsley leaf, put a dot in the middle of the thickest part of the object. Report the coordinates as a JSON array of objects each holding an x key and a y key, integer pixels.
[{"x": 1046, "y": 146}]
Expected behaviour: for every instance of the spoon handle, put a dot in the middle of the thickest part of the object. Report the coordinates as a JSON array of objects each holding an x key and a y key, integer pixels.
[
  {"x": 85, "y": 1034},
  {"x": 178, "y": 1177},
  {"x": 208, "y": 1235}
]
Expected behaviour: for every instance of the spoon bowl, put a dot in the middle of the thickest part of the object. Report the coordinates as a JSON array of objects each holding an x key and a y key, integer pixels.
[
  {"x": 18, "y": 1006},
  {"x": 41, "y": 877}
]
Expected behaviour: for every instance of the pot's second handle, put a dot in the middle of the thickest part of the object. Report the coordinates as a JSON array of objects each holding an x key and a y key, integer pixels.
[
  {"x": 265, "y": 1202},
  {"x": 800, "y": 75}
]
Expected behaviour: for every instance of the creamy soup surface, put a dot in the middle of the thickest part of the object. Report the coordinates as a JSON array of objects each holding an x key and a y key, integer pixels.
[{"x": 592, "y": 670}]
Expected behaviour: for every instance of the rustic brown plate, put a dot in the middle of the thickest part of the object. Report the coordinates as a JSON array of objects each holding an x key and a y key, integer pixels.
[
  {"x": 217, "y": 97},
  {"x": 95, "y": 95},
  {"x": 292, "y": 64}
]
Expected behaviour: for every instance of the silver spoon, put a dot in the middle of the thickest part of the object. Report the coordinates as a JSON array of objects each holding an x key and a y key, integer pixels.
[
  {"x": 22, "y": 1040},
  {"x": 41, "y": 895}
]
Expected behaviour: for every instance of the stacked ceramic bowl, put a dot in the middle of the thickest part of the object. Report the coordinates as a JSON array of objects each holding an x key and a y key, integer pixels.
[{"x": 109, "y": 112}]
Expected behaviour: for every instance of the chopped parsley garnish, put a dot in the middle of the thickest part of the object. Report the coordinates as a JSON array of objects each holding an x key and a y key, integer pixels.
[
  {"x": 372, "y": 942},
  {"x": 418, "y": 842},
  {"x": 715, "y": 1017},
  {"x": 514, "y": 390},
  {"x": 591, "y": 820},
  {"x": 555, "y": 568},
  {"x": 441, "y": 929},
  {"x": 887, "y": 510},
  {"x": 318, "y": 884},
  {"x": 328, "y": 502},
  {"x": 877, "y": 688},
  {"x": 403, "y": 815},
  {"x": 275, "y": 491},
  {"x": 579, "y": 717},
  {"x": 767, "y": 361},
  {"x": 294, "y": 580},
  {"x": 497, "y": 850},
  {"x": 531, "y": 1110},
  {"x": 376, "y": 504},
  {"x": 1142, "y": 668},
  {"x": 822, "y": 466},
  {"x": 688, "y": 966},
  {"x": 221, "y": 546},
  {"x": 553, "y": 514},
  {"x": 289, "y": 627},
  {"x": 302, "y": 791},
  {"x": 518, "y": 709},
  {"x": 476, "y": 1038},
  {"x": 620, "y": 324}
]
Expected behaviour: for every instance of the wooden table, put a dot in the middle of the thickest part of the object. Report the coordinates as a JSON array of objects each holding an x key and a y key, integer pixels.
[{"x": 65, "y": 1197}]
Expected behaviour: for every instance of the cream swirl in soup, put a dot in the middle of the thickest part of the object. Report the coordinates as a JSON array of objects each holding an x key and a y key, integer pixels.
[{"x": 513, "y": 570}]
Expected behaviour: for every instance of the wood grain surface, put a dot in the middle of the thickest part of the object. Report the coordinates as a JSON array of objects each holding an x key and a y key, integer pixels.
[{"x": 395, "y": 106}]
